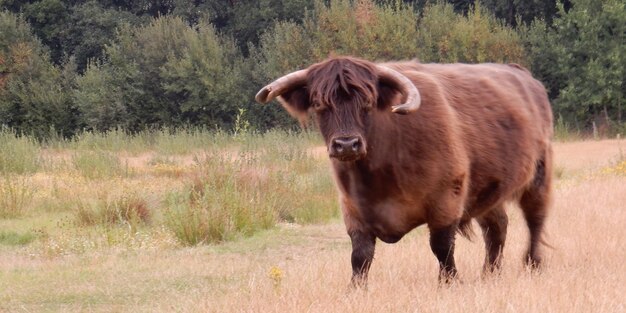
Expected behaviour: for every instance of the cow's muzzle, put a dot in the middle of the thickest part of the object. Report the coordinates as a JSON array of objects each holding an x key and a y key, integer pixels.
[{"x": 347, "y": 148}]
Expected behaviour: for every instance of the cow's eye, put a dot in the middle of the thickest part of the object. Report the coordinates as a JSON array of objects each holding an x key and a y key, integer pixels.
[{"x": 319, "y": 107}]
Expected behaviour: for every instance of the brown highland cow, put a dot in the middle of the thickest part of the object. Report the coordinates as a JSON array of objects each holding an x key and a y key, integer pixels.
[{"x": 435, "y": 144}]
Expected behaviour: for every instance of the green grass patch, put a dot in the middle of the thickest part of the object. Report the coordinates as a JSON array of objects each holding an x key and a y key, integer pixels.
[{"x": 9, "y": 238}]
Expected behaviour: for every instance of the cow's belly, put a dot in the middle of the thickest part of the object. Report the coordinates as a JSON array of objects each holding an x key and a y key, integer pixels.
[
  {"x": 390, "y": 219},
  {"x": 376, "y": 201}
]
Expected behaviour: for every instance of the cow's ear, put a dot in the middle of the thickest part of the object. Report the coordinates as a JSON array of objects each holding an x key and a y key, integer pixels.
[
  {"x": 296, "y": 102},
  {"x": 388, "y": 95}
]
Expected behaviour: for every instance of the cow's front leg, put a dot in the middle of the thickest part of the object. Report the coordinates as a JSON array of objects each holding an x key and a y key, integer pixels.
[
  {"x": 363, "y": 244},
  {"x": 442, "y": 244}
]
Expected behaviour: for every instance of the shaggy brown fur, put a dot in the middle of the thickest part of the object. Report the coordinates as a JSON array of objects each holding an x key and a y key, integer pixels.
[{"x": 482, "y": 136}]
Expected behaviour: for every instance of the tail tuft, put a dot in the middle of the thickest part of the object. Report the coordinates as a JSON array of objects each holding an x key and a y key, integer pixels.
[{"x": 544, "y": 242}]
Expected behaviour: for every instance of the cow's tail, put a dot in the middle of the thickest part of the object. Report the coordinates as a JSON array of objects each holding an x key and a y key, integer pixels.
[
  {"x": 466, "y": 230},
  {"x": 545, "y": 242}
]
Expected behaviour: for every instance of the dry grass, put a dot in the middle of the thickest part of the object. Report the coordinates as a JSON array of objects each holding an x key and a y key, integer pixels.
[
  {"x": 294, "y": 268},
  {"x": 587, "y": 156}
]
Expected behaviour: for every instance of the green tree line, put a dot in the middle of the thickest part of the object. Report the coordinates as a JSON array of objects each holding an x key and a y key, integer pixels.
[{"x": 82, "y": 65}]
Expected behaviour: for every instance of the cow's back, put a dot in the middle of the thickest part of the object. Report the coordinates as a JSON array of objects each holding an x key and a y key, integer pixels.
[{"x": 505, "y": 124}]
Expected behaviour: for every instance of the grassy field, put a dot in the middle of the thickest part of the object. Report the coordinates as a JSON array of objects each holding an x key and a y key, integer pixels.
[{"x": 206, "y": 222}]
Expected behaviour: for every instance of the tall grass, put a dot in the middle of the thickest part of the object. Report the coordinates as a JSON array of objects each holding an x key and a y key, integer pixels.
[
  {"x": 18, "y": 154},
  {"x": 218, "y": 213},
  {"x": 272, "y": 179},
  {"x": 14, "y": 148},
  {"x": 16, "y": 194},
  {"x": 239, "y": 184},
  {"x": 129, "y": 209},
  {"x": 164, "y": 141},
  {"x": 563, "y": 131},
  {"x": 98, "y": 164}
]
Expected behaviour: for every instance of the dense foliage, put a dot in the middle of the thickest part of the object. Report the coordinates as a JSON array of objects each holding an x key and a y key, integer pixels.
[
  {"x": 581, "y": 59},
  {"x": 70, "y": 66}
]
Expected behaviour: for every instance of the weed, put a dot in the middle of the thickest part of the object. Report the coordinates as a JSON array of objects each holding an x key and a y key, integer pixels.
[
  {"x": 242, "y": 125},
  {"x": 276, "y": 276}
]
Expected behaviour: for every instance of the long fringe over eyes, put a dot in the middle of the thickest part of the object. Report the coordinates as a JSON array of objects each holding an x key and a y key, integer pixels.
[{"x": 343, "y": 79}]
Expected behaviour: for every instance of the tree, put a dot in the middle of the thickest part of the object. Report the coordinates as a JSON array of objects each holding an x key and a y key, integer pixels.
[
  {"x": 49, "y": 19},
  {"x": 512, "y": 11},
  {"x": 165, "y": 73},
  {"x": 390, "y": 31},
  {"x": 90, "y": 27},
  {"x": 33, "y": 92},
  {"x": 476, "y": 37},
  {"x": 340, "y": 28},
  {"x": 246, "y": 20},
  {"x": 583, "y": 59}
]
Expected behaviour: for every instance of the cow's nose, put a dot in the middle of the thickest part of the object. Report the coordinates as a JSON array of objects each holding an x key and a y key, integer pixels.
[{"x": 346, "y": 147}]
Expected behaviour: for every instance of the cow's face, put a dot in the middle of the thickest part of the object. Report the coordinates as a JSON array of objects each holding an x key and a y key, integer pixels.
[
  {"x": 344, "y": 126},
  {"x": 344, "y": 94}
]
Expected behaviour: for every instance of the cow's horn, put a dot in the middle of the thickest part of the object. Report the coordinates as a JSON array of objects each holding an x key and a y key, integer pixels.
[
  {"x": 411, "y": 94},
  {"x": 277, "y": 87}
]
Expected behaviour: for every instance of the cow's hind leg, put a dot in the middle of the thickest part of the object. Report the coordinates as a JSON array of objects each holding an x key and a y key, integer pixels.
[
  {"x": 493, "y": 225},
  {"x": 442, "y": 245},
  {"x": 363, "y": 245},
  {"x": 534, "y": 203}
]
